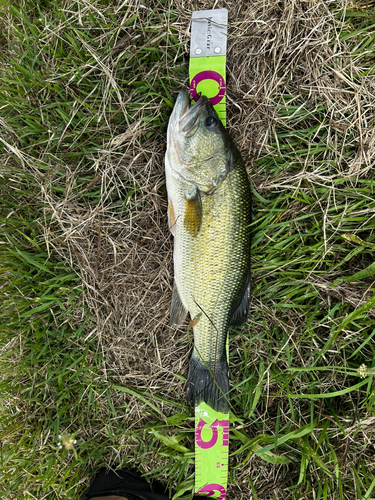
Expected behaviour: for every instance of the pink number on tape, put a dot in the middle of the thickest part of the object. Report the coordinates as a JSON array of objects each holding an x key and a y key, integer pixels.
[
  {"x": 210, "y": 489},
  {"x": 209, "y": 444},
  {"x": 198, "y": 435},
  {"x": 208, "y": 75}
]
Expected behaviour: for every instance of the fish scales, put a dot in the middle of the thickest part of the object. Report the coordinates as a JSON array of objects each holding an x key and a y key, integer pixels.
[
  {"x": 209, "y": 215},
  {"x": 210, "y": 269}
]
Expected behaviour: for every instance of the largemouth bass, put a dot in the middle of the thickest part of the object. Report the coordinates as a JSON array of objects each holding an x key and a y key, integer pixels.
[{"x": 209, "y": 215}]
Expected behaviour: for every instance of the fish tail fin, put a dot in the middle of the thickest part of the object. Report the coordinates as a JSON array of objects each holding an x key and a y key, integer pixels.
[{"x": 208, "y": 382}]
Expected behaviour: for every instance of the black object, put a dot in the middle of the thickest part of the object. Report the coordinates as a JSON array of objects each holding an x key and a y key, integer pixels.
[{"x": 124, "y": 482}]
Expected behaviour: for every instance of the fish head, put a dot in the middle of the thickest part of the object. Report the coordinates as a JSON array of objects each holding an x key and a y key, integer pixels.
[{"x": 198, "y": 148}]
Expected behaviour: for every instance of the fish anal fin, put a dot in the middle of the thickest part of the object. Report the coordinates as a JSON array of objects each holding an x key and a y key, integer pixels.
[
  {"x": 241, "y": 310},
  {"x": 193, "y": 213},
  {"x": 178, "y": 311}
]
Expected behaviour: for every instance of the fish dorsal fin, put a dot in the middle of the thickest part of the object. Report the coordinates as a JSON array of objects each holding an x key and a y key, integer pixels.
[
  {"x": 241, "y": 310},
  {"x": 193, "y": 212},
  {"x": 178, "y": 311}
]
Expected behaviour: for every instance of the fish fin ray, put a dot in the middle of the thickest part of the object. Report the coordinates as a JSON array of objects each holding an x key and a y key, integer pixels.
[
  {"x": 241, "y": 311},
  {"x": 178, "y": 311},
  {"x": 202, "y": 387}
]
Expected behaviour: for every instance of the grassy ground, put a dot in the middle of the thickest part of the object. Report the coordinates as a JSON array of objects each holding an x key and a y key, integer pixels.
[{"x": 92, "y": 375}]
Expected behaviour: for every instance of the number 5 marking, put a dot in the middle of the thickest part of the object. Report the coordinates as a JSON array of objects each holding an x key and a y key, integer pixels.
[{"x": 209, "y": 444}]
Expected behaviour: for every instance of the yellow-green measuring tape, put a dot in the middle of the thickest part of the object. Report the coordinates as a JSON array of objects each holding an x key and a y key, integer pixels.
[{"x": 208, "y": 49}]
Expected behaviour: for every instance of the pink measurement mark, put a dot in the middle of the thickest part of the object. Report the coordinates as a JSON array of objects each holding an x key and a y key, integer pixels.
[
  {"x": 208, "y": 75},
  {"x": 211, "y": 489},
  {"x": 205, "y": 445}
]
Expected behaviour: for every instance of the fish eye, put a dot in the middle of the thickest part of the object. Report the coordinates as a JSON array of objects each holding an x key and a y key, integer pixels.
[{"x": 210, "y": 122}]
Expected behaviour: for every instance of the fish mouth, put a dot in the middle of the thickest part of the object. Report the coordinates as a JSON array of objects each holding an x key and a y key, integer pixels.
[
  {"x": 185, "y": 119},
  {"x": 189, "y": 122}
]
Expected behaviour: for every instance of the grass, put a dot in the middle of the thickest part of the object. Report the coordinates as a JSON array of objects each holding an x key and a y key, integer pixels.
[{"x": 86, "y": 350}]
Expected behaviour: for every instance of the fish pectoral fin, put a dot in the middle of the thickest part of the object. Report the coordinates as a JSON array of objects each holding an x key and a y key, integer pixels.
[
  {"x": 241, "y": 309},
  {"x": 178, "y": 311},
  {"x": 171, "y": 218},
  {"x": 193, "y": 212}
]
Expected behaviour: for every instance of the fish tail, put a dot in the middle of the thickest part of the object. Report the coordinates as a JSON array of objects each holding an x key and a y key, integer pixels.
[{"x": 208, "y": 382}]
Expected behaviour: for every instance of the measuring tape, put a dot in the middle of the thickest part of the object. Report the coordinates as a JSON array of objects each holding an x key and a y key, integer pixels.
[
  {"x": 211, "y": 451},
  {"x": 208, "y": 48}
]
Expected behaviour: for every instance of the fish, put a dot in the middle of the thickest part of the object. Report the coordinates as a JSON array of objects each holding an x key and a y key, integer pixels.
[{"x": 209, "y": 216}]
